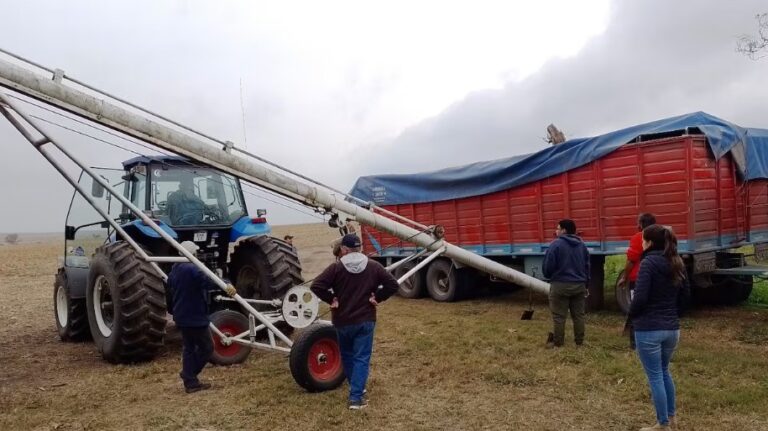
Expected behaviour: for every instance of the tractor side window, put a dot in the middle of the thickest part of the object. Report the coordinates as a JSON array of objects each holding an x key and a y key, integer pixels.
[
  {"x": 232, "y": 197},
  {"x": 139, "y": 190}
]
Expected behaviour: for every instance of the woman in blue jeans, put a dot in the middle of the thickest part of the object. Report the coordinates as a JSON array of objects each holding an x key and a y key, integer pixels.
[{"x": 661, "y": 291}]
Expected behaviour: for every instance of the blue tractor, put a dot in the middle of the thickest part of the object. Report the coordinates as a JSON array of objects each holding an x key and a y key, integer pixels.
[{"x": 104, "y": 290}]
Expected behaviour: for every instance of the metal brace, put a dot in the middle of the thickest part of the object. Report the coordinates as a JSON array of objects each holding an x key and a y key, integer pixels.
[{"x": 228, "y": 147}]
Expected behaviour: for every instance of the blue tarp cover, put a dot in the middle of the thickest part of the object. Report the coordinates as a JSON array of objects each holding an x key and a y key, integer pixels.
[{"x": 491, "y": 176}]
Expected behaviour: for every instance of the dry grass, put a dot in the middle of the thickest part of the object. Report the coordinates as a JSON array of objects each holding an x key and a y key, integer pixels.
[{"x": 465, "y": 366}]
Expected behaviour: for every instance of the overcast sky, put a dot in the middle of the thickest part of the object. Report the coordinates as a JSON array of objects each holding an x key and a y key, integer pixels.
[{"x": 336, "y": 90}]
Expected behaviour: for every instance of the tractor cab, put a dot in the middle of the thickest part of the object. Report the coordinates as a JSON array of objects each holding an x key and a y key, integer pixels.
[{"x": 183, "y": 195}]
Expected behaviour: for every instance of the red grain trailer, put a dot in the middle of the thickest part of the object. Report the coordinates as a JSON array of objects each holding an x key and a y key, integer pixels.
[{"x": 690, "y": 171}]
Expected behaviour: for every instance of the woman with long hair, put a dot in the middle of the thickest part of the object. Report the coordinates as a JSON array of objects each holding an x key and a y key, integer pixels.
[{"x": 661, "y": 292}]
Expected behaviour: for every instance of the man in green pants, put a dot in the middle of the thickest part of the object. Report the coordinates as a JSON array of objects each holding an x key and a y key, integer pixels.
[{"x": 566, "y": 265}]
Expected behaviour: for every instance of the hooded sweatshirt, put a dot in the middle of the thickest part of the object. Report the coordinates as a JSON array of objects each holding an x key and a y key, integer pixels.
[
  {"x": 567, "y": 260},
  {"x": 351, "y": 281}
]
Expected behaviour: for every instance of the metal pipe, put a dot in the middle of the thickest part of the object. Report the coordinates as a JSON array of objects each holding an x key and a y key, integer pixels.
[
  {"x": 397, "y": 264},
  {"x": 166, "y": 259},
  {"x": 120, "y": 119},
  {"x": 421, "y": 264}
]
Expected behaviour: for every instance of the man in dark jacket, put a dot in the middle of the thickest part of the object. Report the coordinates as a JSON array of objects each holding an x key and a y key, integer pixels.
[
  {"x": 354, "y": 286},
  {"x": 566, "y": 265},
  {"x": 189, "y": 288}
]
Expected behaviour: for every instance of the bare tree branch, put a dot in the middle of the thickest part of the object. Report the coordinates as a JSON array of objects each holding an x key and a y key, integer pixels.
[{"x": 754, "y": 47}]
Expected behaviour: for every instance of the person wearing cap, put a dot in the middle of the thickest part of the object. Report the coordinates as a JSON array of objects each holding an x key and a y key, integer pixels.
[
  {"x": 188, "y": 291},
  {"x": 354, "y": 286},
  {"x": 288, "y": 239}
]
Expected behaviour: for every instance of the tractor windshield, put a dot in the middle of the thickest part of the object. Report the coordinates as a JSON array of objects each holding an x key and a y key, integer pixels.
[{"x": 190, "y": 196}]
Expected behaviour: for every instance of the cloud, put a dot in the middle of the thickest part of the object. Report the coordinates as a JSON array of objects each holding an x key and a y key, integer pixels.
[
  {"x": 655, "y": 59},
  {"x": 342, "y": 90}
]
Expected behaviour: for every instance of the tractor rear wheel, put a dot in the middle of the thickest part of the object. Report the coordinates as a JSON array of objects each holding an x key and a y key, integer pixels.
[
  {"x": 413, "y": 287},
  {"x": 71, "y": 314},
  {"x": 125, "y": 298},
  {"x": 315, "y": 359},
  {"x": 230, "y": 323},
  {"x": 263, "y": 267}
]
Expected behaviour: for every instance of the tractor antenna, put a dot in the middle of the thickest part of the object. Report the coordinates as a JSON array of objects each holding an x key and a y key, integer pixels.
[{"x": 242, "y": 110}]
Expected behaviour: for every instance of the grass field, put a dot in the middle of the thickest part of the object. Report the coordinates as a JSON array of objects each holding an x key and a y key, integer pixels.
[{"x": 470, "y": 365}]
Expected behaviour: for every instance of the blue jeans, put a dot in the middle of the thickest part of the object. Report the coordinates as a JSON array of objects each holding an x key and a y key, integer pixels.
[
  {"x": 356, "y": 345},
  {"x": 655, "y": 349}
]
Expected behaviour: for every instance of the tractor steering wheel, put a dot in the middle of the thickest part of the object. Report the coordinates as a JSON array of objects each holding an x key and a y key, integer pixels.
[{"x": 213, "y": 214}]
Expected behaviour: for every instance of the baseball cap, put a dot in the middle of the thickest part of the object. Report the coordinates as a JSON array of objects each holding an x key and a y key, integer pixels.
[
  {"x": 288, "y": 237},
  {"x": 350, "y": 240},
  {"x": 190, "y": 246}
]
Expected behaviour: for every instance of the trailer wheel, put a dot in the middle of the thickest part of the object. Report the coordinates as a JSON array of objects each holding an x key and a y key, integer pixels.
[
  {"x": 724, "y": 290},
  {"x": 444, "y": 282},
  {"x": 315, "y": 359},
  {"x": 413, "y": 287},
  {"x": 71, "y": 314},
  {"x": 230, "y": 323},
  {"x": 623, "y": 295},
  {"x": 126, "y": 305}
]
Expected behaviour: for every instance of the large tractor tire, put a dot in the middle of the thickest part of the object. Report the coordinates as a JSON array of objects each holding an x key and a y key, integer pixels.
[
  {"x": 71, "y": 314},
  {"x": 445, "y": 282},
  {"x": 125, "y": 298},
  {"x": 230, "y": 323},
  {"x": 263, "y": 267},
  {"x": 315, "y": 359},
  {"x": 414, "y": 286}
]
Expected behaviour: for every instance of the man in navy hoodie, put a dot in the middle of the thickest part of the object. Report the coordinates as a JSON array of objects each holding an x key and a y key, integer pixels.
[
  {"x": 188, "y": 290},
  {"x": 566, "y": 265}
]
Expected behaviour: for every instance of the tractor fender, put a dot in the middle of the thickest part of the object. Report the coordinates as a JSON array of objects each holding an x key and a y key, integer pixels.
[
  {"x": 77, "y": 280},
  {"x": 245, "y": 228}
]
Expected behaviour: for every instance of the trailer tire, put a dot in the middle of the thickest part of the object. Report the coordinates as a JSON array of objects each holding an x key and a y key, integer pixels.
[
  {"x": 229, "y": 322},
  {"x": 126, "y": 305},
  {"x": 444, "y": 282},
  {"x": 725, "y": 290},
  {"x": 413, "y": 287},
  {"x": 71, "y": 314},
  {"x": 623, "y": 295},
  {"x": 315, "y": 359}
]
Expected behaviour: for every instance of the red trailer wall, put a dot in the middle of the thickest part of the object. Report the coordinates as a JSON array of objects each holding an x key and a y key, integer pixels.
[{"x": 677, "y": 179}]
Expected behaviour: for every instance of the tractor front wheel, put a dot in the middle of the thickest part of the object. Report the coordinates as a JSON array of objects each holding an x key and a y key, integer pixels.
[
  {"x": 125, "y": 298},
  {"x": 70, "y": 313}
]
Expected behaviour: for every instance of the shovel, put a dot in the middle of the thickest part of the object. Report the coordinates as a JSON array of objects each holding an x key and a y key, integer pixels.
[{"x": 528, "y": 313}]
